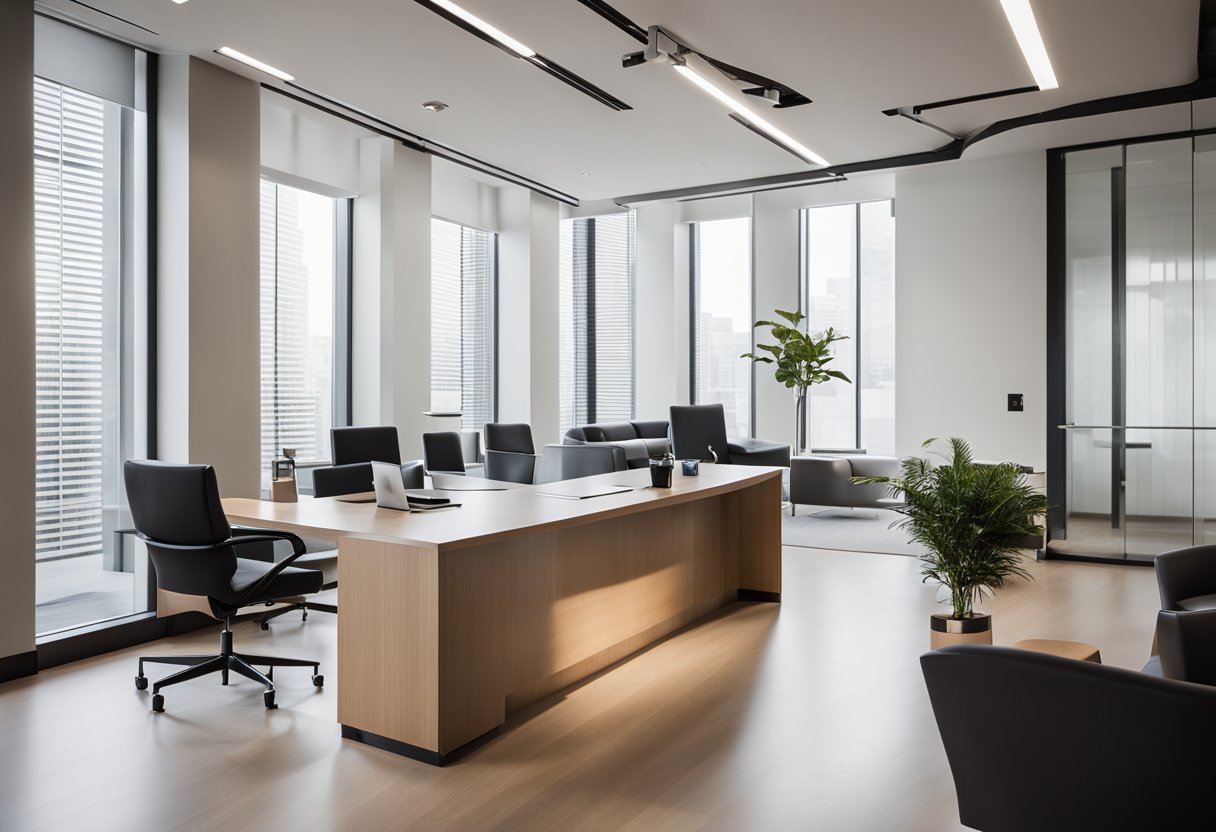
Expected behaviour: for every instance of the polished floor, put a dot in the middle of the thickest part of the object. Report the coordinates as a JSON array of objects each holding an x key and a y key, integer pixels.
[
  {"x": 808, "y": 715},
  {"x": 75, "y": 591}
]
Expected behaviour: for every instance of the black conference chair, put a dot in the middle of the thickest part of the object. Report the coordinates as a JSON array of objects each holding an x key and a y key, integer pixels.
[
  {"x": 698, "y": 427},
  {"x": 510, "y": 454},
  {"x": 364, "y": 444},
  {"x": 1186, "y": 578},
  {"x": 356, "y": 478},
  {"x": 1186, "y": 645},
  {"x": 443, "y": 451},
  {"x": 1044, "y": 743},
  {"x": 177, "y": 512}
]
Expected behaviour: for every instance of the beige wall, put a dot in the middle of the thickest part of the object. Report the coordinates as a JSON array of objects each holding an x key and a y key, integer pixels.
[
  {"x": 17, "y": 324},
  {"x": 208, "y": 370}
]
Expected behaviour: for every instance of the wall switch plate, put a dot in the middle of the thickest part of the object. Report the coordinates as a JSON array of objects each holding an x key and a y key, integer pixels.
[{"x": 1015, "y": 402}]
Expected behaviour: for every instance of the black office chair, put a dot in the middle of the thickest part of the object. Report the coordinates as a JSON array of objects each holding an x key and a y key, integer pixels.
[
  {"x": 1186, "y": 644},
  {"x": 356, "y": 478},
  {"x": 510, "y": 454},
  {"x": 364, "y": 444},
  {"x": 1046, "y": 743},
  {"x": 443, "y": 451},
  {"x": 698, "y": 427},
  {"x": 177, "y": 512}
]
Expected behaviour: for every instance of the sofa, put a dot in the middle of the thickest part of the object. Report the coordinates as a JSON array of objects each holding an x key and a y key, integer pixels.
[
  {"x": 638, "y": 440},
  {"x": 827, "y": 480}
]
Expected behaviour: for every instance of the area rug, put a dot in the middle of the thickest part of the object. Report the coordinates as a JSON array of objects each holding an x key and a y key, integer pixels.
[{"x": 849, "y": 530}]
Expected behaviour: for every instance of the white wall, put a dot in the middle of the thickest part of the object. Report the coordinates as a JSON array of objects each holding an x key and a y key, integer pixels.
[
  {"x": 971, "y": 305},
  {"x": 17, "y": 444},
  {"x": 308, "y": 149},
  {"x": 657, "y": 342}
]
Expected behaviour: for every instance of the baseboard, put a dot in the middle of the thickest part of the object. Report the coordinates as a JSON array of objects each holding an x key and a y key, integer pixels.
[
  {"x": 18, "y": 666},
  {"x": 759, "y": 595}
]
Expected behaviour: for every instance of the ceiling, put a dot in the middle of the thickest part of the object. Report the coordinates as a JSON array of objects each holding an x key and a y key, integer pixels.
[{"x": 853, "y": 58}]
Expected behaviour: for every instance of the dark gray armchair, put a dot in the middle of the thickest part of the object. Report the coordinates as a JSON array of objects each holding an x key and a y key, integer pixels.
[
  {"x": 639, "y": 440},
  {"x": 698, "y": 427},
  {"x": 1039, "y": 742},
  {"x": 570, "y": 462},
  {"x": 1186, "y": 578}
]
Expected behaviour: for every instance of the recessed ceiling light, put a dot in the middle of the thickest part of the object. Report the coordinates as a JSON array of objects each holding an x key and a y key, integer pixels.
[
  {"x": 229, "y": 52},
  {"x": 1030, "y": 40},
  {"x": 179, "y": 2},
  {"x": 476, "y": 22},
  {"x": 434, "y": 106},
  {"x": 744, "y": 112}
]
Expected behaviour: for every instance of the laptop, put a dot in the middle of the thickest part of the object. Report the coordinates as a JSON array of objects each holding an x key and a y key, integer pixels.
[{"x": 391, "y": 491}]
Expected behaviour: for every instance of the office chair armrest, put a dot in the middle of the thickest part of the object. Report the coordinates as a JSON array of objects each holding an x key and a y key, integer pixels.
[{"x": 245, "y": 532}]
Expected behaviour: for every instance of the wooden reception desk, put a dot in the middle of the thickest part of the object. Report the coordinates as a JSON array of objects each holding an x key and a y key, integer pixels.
[{"x": 449, "y": 621}]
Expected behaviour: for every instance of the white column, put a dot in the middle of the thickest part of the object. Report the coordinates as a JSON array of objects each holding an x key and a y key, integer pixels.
[
  {"x": 775, "y": 285},
  {"x": 657, "y": 340}
]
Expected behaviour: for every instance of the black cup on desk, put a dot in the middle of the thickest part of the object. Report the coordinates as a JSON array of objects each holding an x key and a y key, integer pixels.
[{"x": 660, "y": 472}]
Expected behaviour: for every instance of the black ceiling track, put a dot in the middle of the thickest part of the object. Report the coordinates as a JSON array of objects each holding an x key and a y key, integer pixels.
[
  {"x": 1194, "y": 91},
  {"x": 539, "y": 61},
  {"x": 951, "y": 102},
  {"x": 374, "y": 124},
  {"x": 787, "y": 96}
]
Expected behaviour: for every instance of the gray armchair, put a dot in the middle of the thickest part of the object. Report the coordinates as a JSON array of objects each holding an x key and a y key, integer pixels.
[
  {"x": 639, "y": 440},
  {"x": 697, "y": 428},
  {"x": 570, "y": 462},
  {"x": 827, "y": 480}
]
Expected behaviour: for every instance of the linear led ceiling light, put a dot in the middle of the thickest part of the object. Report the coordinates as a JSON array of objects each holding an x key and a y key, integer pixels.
[
  {"x": 229, "y": 52},
  {"x": 700, "y": 72},
  {"x": 1030, "y": 40},
  {"x": 473, "y": 24}
]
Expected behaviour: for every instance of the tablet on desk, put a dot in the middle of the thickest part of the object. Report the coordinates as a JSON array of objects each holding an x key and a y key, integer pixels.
[{"x": 579, "y": 490}]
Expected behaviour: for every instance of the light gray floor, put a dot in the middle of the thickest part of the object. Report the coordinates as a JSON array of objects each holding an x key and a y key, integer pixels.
[
  {"x": 847, "y": 530},
  {"x": 77, "y": 591}
]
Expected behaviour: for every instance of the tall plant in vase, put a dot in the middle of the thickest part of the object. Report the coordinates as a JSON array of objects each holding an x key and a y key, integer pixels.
[{"x": 800, "y": 359}]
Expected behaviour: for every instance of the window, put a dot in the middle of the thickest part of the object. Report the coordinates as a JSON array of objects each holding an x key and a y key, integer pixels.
[
  {"x": 849, "y": 284},
  {"x": 721, "y": 304},
  {"x": 598, "y": 270},
  {"x": 300, "y": 278},
  {"x": 87, "y": 154},
  {"x": 464, "y": 322}
]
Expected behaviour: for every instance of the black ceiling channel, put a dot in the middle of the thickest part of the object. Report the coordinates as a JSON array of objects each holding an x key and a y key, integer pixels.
[
  {"x": 967, "y": 99},
  {"x": 824, "y": 181},
  {"x": 114, "y": 17},
  {"x": 617, "y": 19},
  {"x": 415, "y": 142},
  {"x": 1207, "y": 39},
  {"x": 539, "y": 61},
  {"x": 789, "y": 97},
  {"x": 742, "y": 186},
  {"x": 581, "y": 84},
  {"x": 1194, "y": 91}
]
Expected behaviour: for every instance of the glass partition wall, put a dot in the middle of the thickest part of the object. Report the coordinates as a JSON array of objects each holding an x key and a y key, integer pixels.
[{"x": 1133, "y": 458}]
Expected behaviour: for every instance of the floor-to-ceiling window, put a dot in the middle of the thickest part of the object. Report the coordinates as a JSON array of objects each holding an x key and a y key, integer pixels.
[
  {"x": 89, "y": 198},
  {"x": 300, "y": 277},
  {"x": 464, "y": 322},
  {"x": 720, "y": 266},
  {"x": 596, "y": 291},
  {"x": 849, "y": 285}
]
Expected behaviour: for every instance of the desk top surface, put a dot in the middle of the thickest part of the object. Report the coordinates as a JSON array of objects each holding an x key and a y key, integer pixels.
[{"x": 485, "y": 515}]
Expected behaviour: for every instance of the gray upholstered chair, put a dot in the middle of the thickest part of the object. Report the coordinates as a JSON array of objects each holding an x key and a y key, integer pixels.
[
  {"x": 1063, "y": 763},
  {"x": 570, "y": 462},
  {"x": 177, "y": 512},
  {"x": 510, "y": 454},
  {"x": 697, "y": 428},
  {"x": 447, "y": 452},
  {"x": 1186, "y": 578},
  {"x": 639, "y": 440},
  {"x": 827, "y": 480}
]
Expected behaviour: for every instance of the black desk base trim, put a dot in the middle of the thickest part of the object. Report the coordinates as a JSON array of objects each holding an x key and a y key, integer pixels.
[
  {"x": 423, "y": 755},
  {"x": 759, "y": 595},
  {"x": 18, "y": 666}
]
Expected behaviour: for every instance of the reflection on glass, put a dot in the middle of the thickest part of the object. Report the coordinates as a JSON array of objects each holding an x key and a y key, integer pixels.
[{"x": 831, "y": 267}]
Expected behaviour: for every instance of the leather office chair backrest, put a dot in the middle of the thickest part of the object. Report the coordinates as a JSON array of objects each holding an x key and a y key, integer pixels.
[
  {"x": 1186, "y": 645},
  {"x": 443, "y": 451},
  {"x": 1185, "y": 573},
  {"x": 1081, "y": 728},
  {"x": 357, "y": 478},
  {"x": 697, "y": 427},
  {"x": 514, "y": 437},
  {"x": 364, "y": 444},
  {"x": 179, "y": 506}
]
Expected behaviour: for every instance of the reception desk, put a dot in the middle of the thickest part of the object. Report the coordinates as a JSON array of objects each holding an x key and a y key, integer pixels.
[{"x": 449, "y": 621}]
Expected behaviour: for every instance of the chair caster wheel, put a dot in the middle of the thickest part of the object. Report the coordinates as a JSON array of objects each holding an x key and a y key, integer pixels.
[
  {"x": 265, "y": 625},
  {"x": 318, "y": 680},
  {"x": 268, "y": 698},
  {"x": 141, "y": 682},
  {"x": 158, "y": 703}
]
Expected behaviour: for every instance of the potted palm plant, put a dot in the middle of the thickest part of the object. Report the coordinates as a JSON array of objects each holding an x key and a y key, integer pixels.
[
  {"x": 800, "y": 358},
  {"x": 972, "y": 518}
]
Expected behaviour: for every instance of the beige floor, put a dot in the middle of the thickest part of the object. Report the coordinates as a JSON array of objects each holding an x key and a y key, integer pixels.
[{"x": 810, "y": 715}]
